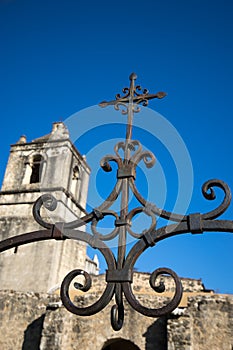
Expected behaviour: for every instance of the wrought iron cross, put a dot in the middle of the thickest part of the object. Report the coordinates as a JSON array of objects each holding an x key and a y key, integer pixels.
[
  {"x": 130, "y": 102},
  {"x": 119, "y": 274}
]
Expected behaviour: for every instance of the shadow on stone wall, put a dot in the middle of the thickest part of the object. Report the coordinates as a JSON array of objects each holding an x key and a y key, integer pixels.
[
  {"x": 156, "y": 335},
  {"x": 122, "y": 344},
  {"x": 32, "y": 335}
]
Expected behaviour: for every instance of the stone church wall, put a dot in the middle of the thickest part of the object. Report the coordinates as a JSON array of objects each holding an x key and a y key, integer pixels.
[
  {"x": 49, "y": 164},
  {"x": 207, "y": 323},
  {"x": 32, "y": 321}
]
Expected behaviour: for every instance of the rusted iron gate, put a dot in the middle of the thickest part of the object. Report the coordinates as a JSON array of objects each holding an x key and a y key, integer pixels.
[{"x": 119, "y": 274}]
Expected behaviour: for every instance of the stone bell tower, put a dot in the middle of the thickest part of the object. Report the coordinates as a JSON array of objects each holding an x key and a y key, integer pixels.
[{"x": 48, "y": 164}]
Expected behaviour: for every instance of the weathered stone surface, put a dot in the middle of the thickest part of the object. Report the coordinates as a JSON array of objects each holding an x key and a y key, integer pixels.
[
  {"x": 65, "y": 174},
  {"x": 39, "y": 321},
  {"x": 21, "y": 319},
  {"x": 212, "y": 322}
]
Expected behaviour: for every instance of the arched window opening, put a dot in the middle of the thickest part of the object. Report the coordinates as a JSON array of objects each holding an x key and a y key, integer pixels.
[
  {"x": 75, "y": 172},
  {"x": 37, "y": 166},
  {"x": 122, "y": 344},
  {"x": 75, "y": 183}
]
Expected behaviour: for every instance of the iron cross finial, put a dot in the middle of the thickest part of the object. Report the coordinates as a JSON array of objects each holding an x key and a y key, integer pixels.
[
  {"x": 129, "y": 102},
  {"x": 134, "y": 95}
]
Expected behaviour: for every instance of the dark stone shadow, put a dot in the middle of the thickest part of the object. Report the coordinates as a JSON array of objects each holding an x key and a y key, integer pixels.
[
  {"x": 32, "y": 335},
  {"x": 119, "y": 343},
  {"x": 156, "y": 335}
]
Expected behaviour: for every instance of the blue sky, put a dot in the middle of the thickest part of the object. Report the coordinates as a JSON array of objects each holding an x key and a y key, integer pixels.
[{"x": 58, "y": 57}]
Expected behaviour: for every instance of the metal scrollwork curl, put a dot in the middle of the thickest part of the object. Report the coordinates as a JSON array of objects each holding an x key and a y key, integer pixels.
[
  {"x": 88, "y": 310},
  {"x": 136, "y": 108},
  {"x": 122, "y": 106},
  {"x": 138, "y": 90},
  {"x": 145, "y": 102},
  {"x": 209, "y": 193},
  {"x": 117, "y": 316},
  {"x": 117, "y": 310},
  {"x": 147, "y": 156},
  {"x": 49, "y": 202},
  {"x": 105, "y": 165},
  {"x": 83, "y": 287},
  {"x": 156, "y": 312},
  {"x": 118, "y": 146},
  {"x": 110, "y": 235},
  {"x": 136, "y": 211},
  {"x": 134, "y": 146},
  {"x": 126, "y": 93}
]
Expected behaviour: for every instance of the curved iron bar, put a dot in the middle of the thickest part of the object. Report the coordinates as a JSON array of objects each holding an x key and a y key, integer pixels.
[
  {"x": 152, "y": 207},
  {"x": 26, "y": 238},
  {"x": 208, "y": 186},
  {"x": 104, "y": 163},
  {"x": 139, "y": 88},
  {"x": 110, "y": 235},
  {"x": 50, "y": 203},
  {"x": 121, "y": 106},
  {"x": 126, "y": 92},
  {"x": 157, "y": 312},
  {"x": 110, "y": 287},
  {"x": 133, "y": 213},
  {"x": 118, "y": 282},
  {"x": 117, "y": 316},
  {"x": 117, "y": 310}
]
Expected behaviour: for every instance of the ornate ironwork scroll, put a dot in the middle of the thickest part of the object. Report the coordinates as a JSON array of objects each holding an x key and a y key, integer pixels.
[{"x": 119, "y": 274}]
